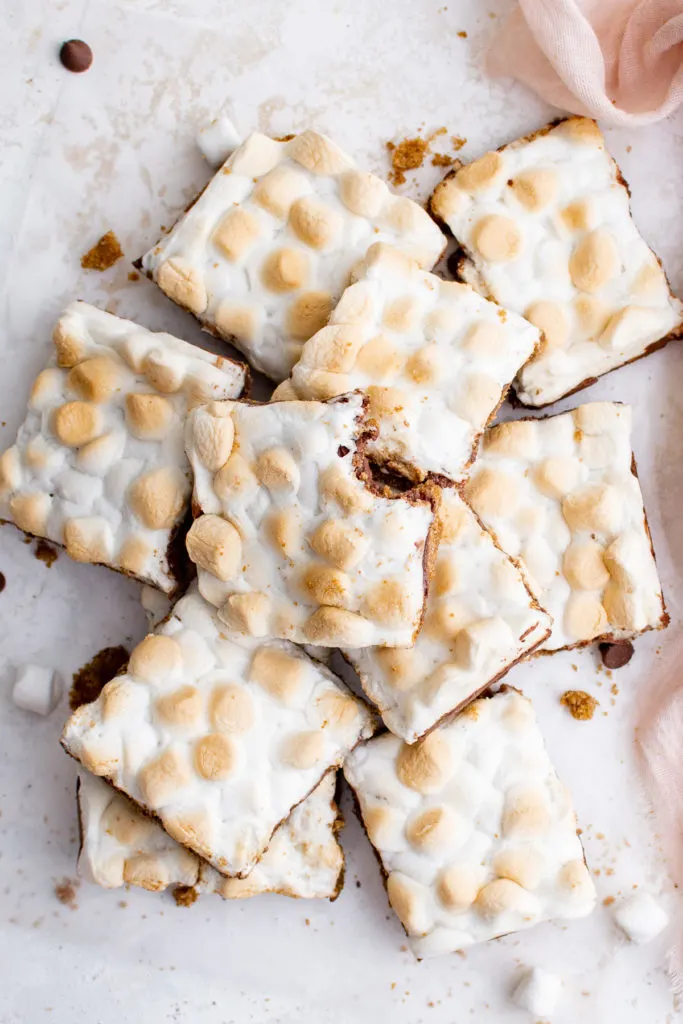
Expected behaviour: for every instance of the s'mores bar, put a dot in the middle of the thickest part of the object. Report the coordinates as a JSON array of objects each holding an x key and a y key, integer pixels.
[
  {"x": 99, "y": 465},
  {"x": 122, "y": 846},
  {"x": 546, "y": 227},
  {"x": 481, "y": 619},
  {"x": 219, "y": 737},
  {"x": 561, "y": 494},
  {"x": 265, "y": 252},
  {"x": 434, "y": 358},
  {"x": 294, "y": 540},
  {"x": 475, "y": 833}
]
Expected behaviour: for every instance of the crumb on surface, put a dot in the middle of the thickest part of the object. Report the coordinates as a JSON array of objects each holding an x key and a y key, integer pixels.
[
  {"x": 409, "y": 154},
  {"x": 185, "y": 895},
  {"x": 46, "y": 553},
  {"x": 66, "y": 892},
  {"x": 87, "y": 683},
  {"x": 133, "y": 276},
  {"x": 442, "y": 160},
  {"x": 104, "y": 254},
  {"x": 3, "y": 582},
  {"x": 580, "y": 704},
  {"x": 458, "y": 142},
  {"x": 462, "y": 35}
]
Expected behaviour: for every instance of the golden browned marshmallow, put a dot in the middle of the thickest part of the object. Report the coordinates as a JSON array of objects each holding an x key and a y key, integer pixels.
[
  {"x": 236, "y": 233},
  {"x": 148, "y": 417},
  {"x": 76, "y": 423},
  {"x": 215, "y": 544},
  {"x": 158, "y": 497},
  {"x": 182, "y": 283}
]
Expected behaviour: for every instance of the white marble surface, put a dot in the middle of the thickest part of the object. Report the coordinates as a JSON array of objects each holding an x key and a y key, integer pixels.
[{"x": 114, "y": 149}]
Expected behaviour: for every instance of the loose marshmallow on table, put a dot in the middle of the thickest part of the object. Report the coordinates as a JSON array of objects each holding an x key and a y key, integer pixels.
[
  {"x": 480, "y": 619},
  {"x": 475, "y": 832},
  {"x": 37, "y": 689},
  {"x": 266, "y": 250},
  {"x": 538, "y": 992},
  {"x": 561, "y": 494},
  {"x": 434, "y": 358},
  {"x": 292, "y": 542},
  {"x": 547, "y": 228},
  {"x": 220, "y": 737},
  {"x": 98, "y": 464},
  {"x": 122, "y": 846},
  {"x": 640, "y": 917},
  {"x": 217, "y": 140}
]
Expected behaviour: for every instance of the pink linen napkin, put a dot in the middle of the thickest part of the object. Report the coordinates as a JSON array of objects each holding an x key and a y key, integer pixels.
[
  {"x": 617, "y": 60},
  {"x": 659, "y": 740}
]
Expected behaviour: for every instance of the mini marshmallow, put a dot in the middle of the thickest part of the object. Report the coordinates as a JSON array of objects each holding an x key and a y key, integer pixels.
[
  {"x": 640, "y": 917},
  {"x": 293, "y": 541},
  {"x": 217, "y": 140},
  {"x": 266, "y": 250},
  {"x": 546, "y": 225},
  {"x": 538, "y": 992},
  {"x": 219, "y": 736},
  {"x": 435, "y": 359},
  {"x": 98, "y": 465},
  {"x": 122, "y": 846},
  {"x": 480, "y": 619},
  {"x": 475, "y": 833},
  {"x": 156, "y": 604},
  {"x": 561, "y": 495},
  {"x": 37, "y": 689}
]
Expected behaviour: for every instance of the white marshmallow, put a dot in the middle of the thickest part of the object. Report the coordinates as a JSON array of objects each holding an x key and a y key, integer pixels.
[
  {"x": 156, "y": 604},
  {"x": 217, "y": 140},
  {"x": 37, "y": 689},
  {"x": 640, "y": 917},
  {"x": 538, "y": 992}
]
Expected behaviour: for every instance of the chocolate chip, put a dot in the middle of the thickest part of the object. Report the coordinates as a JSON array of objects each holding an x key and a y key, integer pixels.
[
  {"x": 342, "y": 450},
  {"x": 616, "y": 655},
  {"x": 75, "y": 55}
]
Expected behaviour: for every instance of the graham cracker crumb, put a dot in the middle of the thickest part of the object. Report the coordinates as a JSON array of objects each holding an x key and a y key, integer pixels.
[
  {"x": 46, "y": 553},
  {"x": 185, "y": 895},
  {"x": 458, "y": 142},
  {"x": 442, "y": 160},
  {"x": 608, "y": 901},
  {"x": 133, "y": 276},
  {"x": 104, "y": 254},
  {"x": 87, "y": 683},
  {"x": 66, "y": 891},
  {"x": 461, "y": 35},
  {"x": 580, "y": 704},
  {"x": 410, "y": 154}
]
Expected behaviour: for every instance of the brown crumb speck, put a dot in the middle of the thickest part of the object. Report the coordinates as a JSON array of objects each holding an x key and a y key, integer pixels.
[
  {"x": 458, "y": 142},
  {"x": 442, "y": 160},
  {"x": 185, "y": 895},
  {"x": 461, "y": 35},
  {"x": 66, "y": 891},
  {"x": 104, "y": 254},
  {"x": 3, "y": 582},
  {"x": 406, "y": 156},
  {"x": 133, "y": 276},
  {"x": 87, "y": 683},
  {"x": 608, "y": 901},
  {"x": 579, "y": 704},
  {"x": 46, "y": 553}
]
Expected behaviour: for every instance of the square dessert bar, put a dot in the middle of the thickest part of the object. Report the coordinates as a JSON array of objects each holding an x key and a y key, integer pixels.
[
  {"x": 266, "y": 250},
  {"x": 434, "y": 358},
  {"x": 561, "y": 494},
  {"x": 546, "y": 227},
  {"x": 122, "y": 846},
  {"x": 481, "y": 619},
  {"x": 98, "y": 465},
  {"x": 475, "y": 833},
  {"x": 295, "y": 540},
  {"x": 218, "y": 737}
]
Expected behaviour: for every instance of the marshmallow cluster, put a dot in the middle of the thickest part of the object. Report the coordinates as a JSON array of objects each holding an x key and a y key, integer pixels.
[
  {"x": 480, "y": 619},
  {"x": 122, "y": 846},
  {"x": 475, "y": 832},
  {"x": 547, "y": 229},
  {"x": 98, "y": 465},
  {"x": 219, "y": 737},
  {"x": 291, "y": 542},
  {"x": 265, "y": 252},
  {"x": 433, "y": 357},
  {"x": 561, "y": 494}
]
